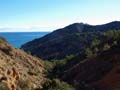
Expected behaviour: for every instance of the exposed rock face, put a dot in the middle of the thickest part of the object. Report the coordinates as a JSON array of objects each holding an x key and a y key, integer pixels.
[
  {"x": 18, "y": 70},
  {"x": 10, "y": 77},
  {"x": 66, "y": 41}
]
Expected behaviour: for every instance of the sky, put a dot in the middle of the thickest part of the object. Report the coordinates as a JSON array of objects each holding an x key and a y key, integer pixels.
[{"x": 48, "y": 15}]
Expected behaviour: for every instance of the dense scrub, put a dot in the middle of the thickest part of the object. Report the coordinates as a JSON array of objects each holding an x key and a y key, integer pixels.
[
  {"x": 100, "y": 42},
  {"x": 72, "y": 39}
]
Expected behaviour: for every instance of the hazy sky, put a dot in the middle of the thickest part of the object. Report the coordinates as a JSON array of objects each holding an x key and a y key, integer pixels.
[{"x": 47, "y": 15}]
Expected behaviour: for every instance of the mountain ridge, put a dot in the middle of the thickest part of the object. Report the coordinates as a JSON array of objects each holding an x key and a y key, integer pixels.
[{"x": 53, "y": 44}]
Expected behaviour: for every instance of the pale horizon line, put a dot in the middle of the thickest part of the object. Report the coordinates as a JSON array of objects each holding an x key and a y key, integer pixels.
[{"x": 42, "y": 28}]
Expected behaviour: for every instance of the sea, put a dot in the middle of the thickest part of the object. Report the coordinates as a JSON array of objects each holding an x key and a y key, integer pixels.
[{"x": 19, "y": 38}]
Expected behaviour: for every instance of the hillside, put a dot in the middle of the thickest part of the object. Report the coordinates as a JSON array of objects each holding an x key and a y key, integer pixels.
[
  {"x": 85, "y": 56},
  {"x": 101, "y": 72},
  {"x": 69, "y": 40},
  {"x": 19, "y": 70}
]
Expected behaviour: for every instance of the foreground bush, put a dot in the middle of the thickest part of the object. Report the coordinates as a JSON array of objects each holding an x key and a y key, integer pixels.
[
  {"x": 3, "y": 86},
  {"x": 56, "y": 84}
]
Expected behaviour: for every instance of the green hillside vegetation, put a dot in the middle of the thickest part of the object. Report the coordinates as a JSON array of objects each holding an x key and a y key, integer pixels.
[
  {"x": 73, "y": 40},
  {"x": 2, "y": 39},
  {"x": 103, "y": 41},
  {"x": 56, "y": 84}
]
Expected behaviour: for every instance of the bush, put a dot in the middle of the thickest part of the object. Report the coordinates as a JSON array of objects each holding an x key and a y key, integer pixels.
[
  {"x": 56, "y": 84},
  {"x": 106, "y": 47},
  {"x": 25, "y": 84},
  {"x": 2, "y": 39},
  {"x": 49, "y": 65},
  {"x": 3, "y": 86},
  {"x": 32, "y": 73},
  {"x": 95, "y": 42},
  {"x": 88, "y": 52}
]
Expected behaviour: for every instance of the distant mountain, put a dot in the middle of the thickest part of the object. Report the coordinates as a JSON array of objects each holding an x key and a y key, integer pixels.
[
  {"x": 69, "y": 40},
  {"x": 19, "y": 70}
]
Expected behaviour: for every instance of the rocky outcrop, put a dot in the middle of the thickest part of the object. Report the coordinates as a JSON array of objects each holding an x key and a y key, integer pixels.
[
  {"x": 19, "y": 70},
  {"x": 9, "y": 77}
]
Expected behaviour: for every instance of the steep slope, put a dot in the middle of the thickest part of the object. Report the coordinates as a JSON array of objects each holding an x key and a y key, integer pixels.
[
  {"x": 66, "y": 41},
  {"x": 100, "y": 73},
  {"x": 18, "y": 70}
]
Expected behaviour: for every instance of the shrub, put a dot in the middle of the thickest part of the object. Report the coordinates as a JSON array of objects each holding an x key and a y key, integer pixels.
[
  {"x": 56, "y": 84},
  {"x": 88, "y": 52},
  {"x": 48, "y": 66},
  {"x": 3, "y": 86},
  {"x": 95, "y": 42},
  {"x": 114, "y": 43},
  {"x": 2, "y": 39},
  {"x": 24, "y": 84},
  {"x": 106, "y": 47},
  {"x": 32, "y": 73}
]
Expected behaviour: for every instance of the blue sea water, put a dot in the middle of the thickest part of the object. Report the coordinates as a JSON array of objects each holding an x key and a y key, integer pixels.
[{"x": 19, "y": 38}]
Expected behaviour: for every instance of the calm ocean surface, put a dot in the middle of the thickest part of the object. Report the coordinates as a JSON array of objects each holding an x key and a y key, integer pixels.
[{"x": 19, "y": 38}]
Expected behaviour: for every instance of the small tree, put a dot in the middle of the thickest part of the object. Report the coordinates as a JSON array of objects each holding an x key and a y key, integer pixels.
[
  {"x": 114, "y": 43},
  {"x": 96, "y": 49},
  {"x": 106, "y": 47},
  {"x": 95, "y": 42},
  {"x": 88, "y": 52}
]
